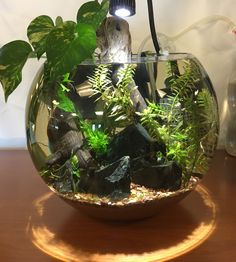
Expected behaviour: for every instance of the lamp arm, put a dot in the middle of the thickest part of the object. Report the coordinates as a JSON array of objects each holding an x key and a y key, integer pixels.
[{"x": 152, "y": 27}]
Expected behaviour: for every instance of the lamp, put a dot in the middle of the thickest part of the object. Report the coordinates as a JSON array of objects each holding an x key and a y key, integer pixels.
[{"x": 122, "y": 8}]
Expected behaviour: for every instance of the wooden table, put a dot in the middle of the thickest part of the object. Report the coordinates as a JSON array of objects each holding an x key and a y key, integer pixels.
[{"x": 35, "y": 225}]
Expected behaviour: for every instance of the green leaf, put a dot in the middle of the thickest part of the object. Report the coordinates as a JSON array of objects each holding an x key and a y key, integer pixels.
[
  {"x": 93, "y": 13},
  {"x": 68, "y": 45},
  {"x": 59, "y": 21},
  {"x": 66, "y": 78},
  {"x": 38, "y": 31},
  {"x": 12, "y": 59},
  {"x": 64, "y": 102}
]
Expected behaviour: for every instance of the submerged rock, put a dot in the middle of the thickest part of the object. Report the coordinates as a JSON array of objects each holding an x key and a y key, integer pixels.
[
  {"x": 113, "y": 180},
  {"x": 64, "y": 147},
  {"x": 167, "y": 176},
  {"x": 133, "y": 141},
  {"x": 63, "y": 136},
  {"x": 64, "y": 182},
  {"x": 85, "y": 160}
]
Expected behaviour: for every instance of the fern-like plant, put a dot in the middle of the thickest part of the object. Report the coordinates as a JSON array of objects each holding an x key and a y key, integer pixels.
[
  {"x": 181, "y": 119},
  {"x": 118, "y": 105}
]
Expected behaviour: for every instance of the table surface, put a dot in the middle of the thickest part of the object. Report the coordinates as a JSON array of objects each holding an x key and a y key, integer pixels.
[{"x": 35, "y": 225}]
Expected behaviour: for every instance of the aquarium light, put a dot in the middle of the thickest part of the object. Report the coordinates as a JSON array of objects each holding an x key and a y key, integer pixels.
[
  {"x": 122, "y": 8},
  {"x": 122, "y": 12}
]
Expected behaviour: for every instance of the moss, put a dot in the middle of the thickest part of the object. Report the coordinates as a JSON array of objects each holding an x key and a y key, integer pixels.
[{"x": 96, "y": 139}]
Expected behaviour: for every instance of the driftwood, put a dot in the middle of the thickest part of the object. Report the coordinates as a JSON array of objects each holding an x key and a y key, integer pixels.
[{"x": 114, "y": 40}]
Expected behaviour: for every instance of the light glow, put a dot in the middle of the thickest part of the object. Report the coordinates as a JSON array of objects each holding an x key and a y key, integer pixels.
[
  {"x": 99, "y": 113},
  {"x": 122, "y": 12},
  {"x": 44, "y": 237}
]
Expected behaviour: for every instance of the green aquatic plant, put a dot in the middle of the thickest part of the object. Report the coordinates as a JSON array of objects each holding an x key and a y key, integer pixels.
[
  {"x": 96, "y": 139},
  {"x": 155, "y": 119},
  {"x": 206, "y": 103},
  {"x": 69, "y": 171},
  {"x": 101, "y": 82},
  {"x": 200, "y": 121},
  {"x": 151, "y": 117},
  {"x": 62, "y": 100},
  {"x": 182, "y": 118},
  {"x": 118, "y": 105},
  {"x": 208, "y": 128},
  {"x": 75, "y": 176}
]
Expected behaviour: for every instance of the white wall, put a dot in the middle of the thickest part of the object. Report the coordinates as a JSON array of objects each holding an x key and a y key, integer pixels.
[{"x": 212, "y": 42}]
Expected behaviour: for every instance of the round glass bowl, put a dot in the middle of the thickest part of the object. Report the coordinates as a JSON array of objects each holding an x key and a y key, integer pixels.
[{"x": 121, "y": 140}]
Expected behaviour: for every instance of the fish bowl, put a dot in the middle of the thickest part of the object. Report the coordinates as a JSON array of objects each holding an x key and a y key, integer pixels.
[{"x": 121, "y": 140}]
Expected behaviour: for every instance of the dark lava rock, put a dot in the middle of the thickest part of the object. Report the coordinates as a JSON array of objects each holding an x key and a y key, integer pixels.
[
  {"x": 166, "y": 176},
  {"x": 133, "y": 141},
  {"x": 85, "y": 160},
  {"x": 113, "y": 180},
  {"x": 63, "y": 136},
  {"x": 64, "y": 181},
  {"x": 64, "y": 147}
]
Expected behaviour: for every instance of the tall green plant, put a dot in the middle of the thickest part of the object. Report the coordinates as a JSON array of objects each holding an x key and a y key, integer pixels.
[
  {"x": 65, "y": 43},
  {"x": 118, "y": 105},
  {"x": 181, "y": 119}
]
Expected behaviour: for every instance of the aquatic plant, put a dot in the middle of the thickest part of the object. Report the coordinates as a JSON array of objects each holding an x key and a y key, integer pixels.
[
  {"x": 118, "y": 105},
  {"x": 75, "y": 173},
  {"x": 62, "y": 100},
  {"x": 66, "y": 176},
  {"x": 96, "y": 139},
  {"x": 176, "y": 119}
]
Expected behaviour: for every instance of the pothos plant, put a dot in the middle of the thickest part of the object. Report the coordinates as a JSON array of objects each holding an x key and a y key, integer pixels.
[{"x": 65, "y": 43}]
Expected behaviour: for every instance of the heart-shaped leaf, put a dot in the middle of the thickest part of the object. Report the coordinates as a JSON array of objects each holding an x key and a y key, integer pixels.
[
  {"x": 68, "y": 45},
  {"x": 12, "y": 59},
  {"x": 38, "y": 31},
  {"x": 93, "y": 13},
  {"x": 59, "y": 21}
]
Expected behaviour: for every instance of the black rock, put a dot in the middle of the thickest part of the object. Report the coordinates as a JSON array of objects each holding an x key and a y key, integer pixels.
[
  {"x": 64, "y": 181},
  {"x": 63, "y": 149},
  {"x": 85, "y": 160},
  {"x": 113, "y": 180},
  {"x": 168, "y": 176},
  {"x": 63, "y": 136},
  {"x": 133, "y": 141}
]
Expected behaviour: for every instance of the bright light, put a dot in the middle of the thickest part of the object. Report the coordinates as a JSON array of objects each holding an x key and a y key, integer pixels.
[
  {"x": 99, "y": 113},
  {"x": 122, "y": 12}
]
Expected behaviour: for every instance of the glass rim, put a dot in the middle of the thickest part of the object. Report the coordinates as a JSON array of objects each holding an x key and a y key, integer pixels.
[{"x": 136, "y": 59}]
